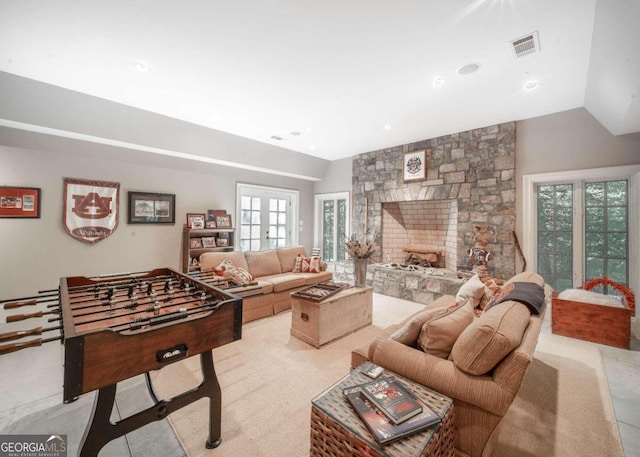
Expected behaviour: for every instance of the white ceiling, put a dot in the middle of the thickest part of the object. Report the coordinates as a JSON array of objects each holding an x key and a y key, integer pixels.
[{"x": 334, "y": 71}]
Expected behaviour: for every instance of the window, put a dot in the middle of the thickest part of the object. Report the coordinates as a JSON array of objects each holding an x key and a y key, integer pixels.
[
  {"x": 583, "y": 225},
  {"x": 267, "y": 217},
  {"x": 332, "y": 225}
]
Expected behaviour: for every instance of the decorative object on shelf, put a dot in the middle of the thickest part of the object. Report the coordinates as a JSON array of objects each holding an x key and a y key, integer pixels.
[
  {"x": 208, "y": 241},
  {"x": 414, "y": 166},
  {"x": 151, "y": 208},
  {"x": 20, "y": 202},
  {"x": 90, "y": 212},
  {"x": 224, "y": 221},
  {"x": 195, "y": 221},
  {"x": 222, "y": 242},
  {"x": 210, "y": 224},
  {"x": 361, "y": 250},
  {"x": 196, "y": 243},
  {"x": 479, "y": 252}
]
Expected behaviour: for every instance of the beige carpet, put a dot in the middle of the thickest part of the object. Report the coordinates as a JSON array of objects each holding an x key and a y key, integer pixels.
[{"x": 269, "y": 378}]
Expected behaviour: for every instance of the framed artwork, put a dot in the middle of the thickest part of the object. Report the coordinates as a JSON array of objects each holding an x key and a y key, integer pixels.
[
  {"x": 224, "y": 221},
  {"x": 195, "y": 220},
  {"x": 208, "y": 242},
  {"x": 223, "y": 242},
  {"x": 210, "y": 224},
  {"x": 151, "y": 208},
  {"x": 20, "y": 202},
  {"x": 195, "y": 243},
  {"x": 414, "y": 166},
  {"x": 213, "y": 213}
]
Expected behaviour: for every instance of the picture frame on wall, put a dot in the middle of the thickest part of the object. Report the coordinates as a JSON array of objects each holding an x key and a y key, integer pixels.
[
  {"x": 151, "y": 208},
  {"x": 20, "y": 202},
  {"x": 224, "y": 221},
  {"x": 195, "y": 221},
  {"x": 414, "y": 166}
]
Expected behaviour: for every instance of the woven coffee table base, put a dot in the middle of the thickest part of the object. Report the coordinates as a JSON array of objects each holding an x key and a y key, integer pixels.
[{"x": 330, "y": 439}]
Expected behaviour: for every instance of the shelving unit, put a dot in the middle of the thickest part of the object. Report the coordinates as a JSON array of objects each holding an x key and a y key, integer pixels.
[{"x": 192, "y": 249}]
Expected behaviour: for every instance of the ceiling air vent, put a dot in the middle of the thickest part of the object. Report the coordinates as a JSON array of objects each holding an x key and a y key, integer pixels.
[
  {"x": 277, "y": 138},
  {"x": 527, "y": 44}
]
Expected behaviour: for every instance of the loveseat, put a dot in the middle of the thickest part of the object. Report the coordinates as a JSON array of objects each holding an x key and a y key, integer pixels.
[
  {"x": 272, "y": 270},
  {"x": 481, "y": 368}
]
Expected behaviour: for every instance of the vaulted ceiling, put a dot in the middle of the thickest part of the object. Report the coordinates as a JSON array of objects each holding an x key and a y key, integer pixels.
[{"x": 336, "y": 78}]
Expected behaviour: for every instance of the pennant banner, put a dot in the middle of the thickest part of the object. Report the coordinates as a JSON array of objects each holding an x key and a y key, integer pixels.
[{"x": 90, "y": 209}]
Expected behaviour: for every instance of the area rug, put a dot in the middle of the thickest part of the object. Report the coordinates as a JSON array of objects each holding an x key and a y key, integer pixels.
[
  {"x": 269, "y": 378},
  {"x": 156, "y": 439}
]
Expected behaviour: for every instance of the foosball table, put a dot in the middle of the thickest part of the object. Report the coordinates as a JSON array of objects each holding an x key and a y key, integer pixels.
[{"x": 119, "y": 326}]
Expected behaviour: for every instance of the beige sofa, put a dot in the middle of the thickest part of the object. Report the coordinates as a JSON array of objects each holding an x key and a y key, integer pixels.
[
  {"x": 482, "y": 373},
  {"x": 273, "y": 271}
]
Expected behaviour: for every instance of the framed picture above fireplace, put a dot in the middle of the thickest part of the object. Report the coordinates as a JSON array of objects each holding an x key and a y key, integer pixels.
[{"x": 414, "y": 166}]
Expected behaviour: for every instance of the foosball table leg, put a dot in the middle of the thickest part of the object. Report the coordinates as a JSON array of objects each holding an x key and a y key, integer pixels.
[
  {"x": 101, "y": 430},
  {"x": 211, "y": 387}
]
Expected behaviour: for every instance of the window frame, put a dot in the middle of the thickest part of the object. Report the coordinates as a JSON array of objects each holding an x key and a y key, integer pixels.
[{"x": 319, "y": 199}]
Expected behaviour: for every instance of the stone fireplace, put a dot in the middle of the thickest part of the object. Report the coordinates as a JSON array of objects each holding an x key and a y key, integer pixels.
[{"x": 470, "y": 179}]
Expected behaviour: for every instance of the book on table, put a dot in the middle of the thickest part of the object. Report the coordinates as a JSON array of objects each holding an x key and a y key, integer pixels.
[
  {"x": 381, "y": 428},
  {"x": 392, "y": 398}
]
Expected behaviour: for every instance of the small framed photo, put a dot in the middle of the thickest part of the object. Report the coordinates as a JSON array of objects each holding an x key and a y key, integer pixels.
[
  {"x": 224, "y": 221},
  {"x": 151, "y": 208},
  {"x": 414, "y": 166},
  {"x": 223, "y": 242},
  {"x": 213, "y": 213},
  {"x": 208, "y": 242},
  {"x": 195, "y": 221},
  {"x": 20, "y": 202},
  {"x": 195, "y": 243},
  {"x": 210, "y": 224}
]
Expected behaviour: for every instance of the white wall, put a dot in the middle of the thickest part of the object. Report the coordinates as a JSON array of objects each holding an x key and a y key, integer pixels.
[{"x": 35, "y": 253}]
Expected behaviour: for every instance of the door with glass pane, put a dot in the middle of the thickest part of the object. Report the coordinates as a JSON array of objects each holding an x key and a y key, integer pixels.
[
  {"x": 266, "y": 219},
  {"x": 332, "y": 225},
  {"x": 582, "y": 232}
]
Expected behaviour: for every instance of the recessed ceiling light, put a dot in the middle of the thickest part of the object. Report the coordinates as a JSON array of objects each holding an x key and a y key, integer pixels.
[
  {"x": 387, "y": 126},
  {"x": 530, "y": 85},
  {"x": 438, "y": 81},
  {"x": 142, "y": 66},
  {"x": 295, "y": 133},
  {"x": 312, "y": 147},
  {"x": 468, "y": 69}
]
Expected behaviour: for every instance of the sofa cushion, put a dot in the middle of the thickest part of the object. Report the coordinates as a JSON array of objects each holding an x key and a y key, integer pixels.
[
  {"x": 263, "y": 263},
  {"x": 287, "y": 257},
  {"x": 314, "y": 278},
  {"x": 490, "y": 338},
  {"x": 529, "y": 294},
  {"x": 209, "y": 260},
  {"x": 441, "y": 330},
  {"x": 285, "y": 281},
  {"x": 526, "y": 276},
  {"x": 224, "y": 266},
  {"x": 472, "y": 289}
]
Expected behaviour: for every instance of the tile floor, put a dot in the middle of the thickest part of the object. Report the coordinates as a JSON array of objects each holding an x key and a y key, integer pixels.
[{"x": 31, "y": 380}]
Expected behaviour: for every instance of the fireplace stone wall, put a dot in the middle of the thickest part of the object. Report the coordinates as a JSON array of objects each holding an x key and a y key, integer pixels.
[{"x": 471, "y": 172}]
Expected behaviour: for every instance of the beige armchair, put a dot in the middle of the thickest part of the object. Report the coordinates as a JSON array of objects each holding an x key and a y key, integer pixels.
[{"x": 484, "y": 372}]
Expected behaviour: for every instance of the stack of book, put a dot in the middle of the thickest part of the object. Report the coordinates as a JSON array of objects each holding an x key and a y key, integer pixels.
[{"x": 389, "y": 410}]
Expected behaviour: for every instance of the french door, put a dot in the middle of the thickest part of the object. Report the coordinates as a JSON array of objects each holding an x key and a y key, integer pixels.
[
  {"x": 332, "y": 225},
  {"x": 267, "y": 217},
  {"x": 583, "y": 226}
]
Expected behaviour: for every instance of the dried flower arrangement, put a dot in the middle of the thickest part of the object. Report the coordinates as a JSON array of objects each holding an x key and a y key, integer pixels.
[{"x": 361, "y": 247}]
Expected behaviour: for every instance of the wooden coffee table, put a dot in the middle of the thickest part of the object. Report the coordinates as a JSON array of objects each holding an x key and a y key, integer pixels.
[
  {"x": 319, "y": 323},
  {"x": 336, "y": 429}
]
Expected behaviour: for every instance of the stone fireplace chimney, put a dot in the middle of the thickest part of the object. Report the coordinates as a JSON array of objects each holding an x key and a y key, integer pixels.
[{"x": 470, "y": 180}]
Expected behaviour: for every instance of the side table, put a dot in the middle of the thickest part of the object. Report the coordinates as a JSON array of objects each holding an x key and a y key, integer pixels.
[{"x": 336, "y": 429}]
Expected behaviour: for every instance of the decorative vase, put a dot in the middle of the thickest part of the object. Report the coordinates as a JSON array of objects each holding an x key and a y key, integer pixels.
[{"x": 360, "y": 272}]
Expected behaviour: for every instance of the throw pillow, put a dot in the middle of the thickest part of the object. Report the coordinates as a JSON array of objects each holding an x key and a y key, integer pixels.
[
  {"x": 238, "y": 275},
  {"x": 473, "y": 289},
  {"x": 297, "y": 266},
  {"x": 440, "y": 332},
  {"x": 224, "y": 265},
  {"x": 310, "y": 264}
]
